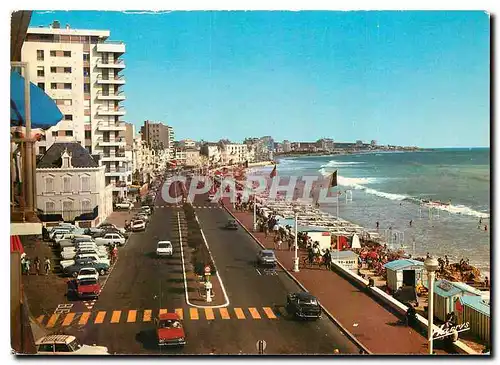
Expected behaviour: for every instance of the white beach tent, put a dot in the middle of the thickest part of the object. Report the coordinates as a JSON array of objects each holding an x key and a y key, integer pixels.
[{"x": 355, "y": 241}]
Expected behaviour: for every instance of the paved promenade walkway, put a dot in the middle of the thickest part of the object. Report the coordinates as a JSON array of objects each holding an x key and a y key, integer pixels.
[{"x": 373, "y": 325}]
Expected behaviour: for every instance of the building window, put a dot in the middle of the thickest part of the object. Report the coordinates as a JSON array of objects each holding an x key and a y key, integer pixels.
[
  {"x": 50, "y": 207},
  {"x": 49, "y": 185},
  {"x": 86, "y": 88},
  {"x": 40, "y": 71},
  {"x": 85, "y": 183},
  {"x": 88, "y": 134},
  {"x": 53, "y": 86},
  {"x": 53, "y": 70},
  {"x": 66, "y": 184},
  {"x": 86, "y": 71},
  {"x": 40, "y": 55},
  {"x": 54, "y": 133},
  {"x": 41, "y": 85},
  {"x": 86, "y": 57},
  {"x": 68, "y": 117},
  {"x": 67, "y": 53},
  {"x": 67, "y": 208},
  {"x": 86, "y": 208},
  {"x": 67, "y": 85},
  {"x": 42, "y": 150},
  {"x": 67, "y": 70},
  {"x": 43, "y": 137},
  {"x": 68, "y": 133},
  {"x": 53, "y": 53},
  {"x": 66, "y": 102}
]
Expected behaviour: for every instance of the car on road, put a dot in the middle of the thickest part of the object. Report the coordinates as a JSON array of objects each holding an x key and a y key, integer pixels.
[
  {"x": 87, "y": 273},
  {"x": 88, "y": 288},
  {"x": 211, "y": 197},
  {"x": 266, "y": 258},
  {"x": 146, "y": 209},
  {"x": 66, "y": 345},
  {"x": 110, "y": 239},
  {"x": 169, "y": 330},
  {"x": 73, "y": 270},
  {"x": 137, "y": 225},
  {"x": 142, "y": 216},
  {"x": 164, "y": 248},
  {"x": 303, "y": 305},
  {"x": 231, "y": 224}
]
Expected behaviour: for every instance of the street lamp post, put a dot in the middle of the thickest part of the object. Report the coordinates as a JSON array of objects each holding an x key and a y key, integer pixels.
[
  {"x": 254, "y": 214},
  {"x": 431, "y": 265},
  {"x": 296, "y": 258}
]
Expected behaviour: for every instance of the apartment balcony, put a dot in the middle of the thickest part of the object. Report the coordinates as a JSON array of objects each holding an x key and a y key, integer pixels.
[
  {"x": 113, "y": 157},
  {"x": 111, "y": 46},
  {"x": 113, "y": 111},
  {"x": 110, "y": 80},
  {"x": 103, "y": 126},
  {"x": 118, "y": 142},
  {"x": 118, "y": 96},
  {"x": 115, "y": 171},
  {"x": 117, "y": 64}
]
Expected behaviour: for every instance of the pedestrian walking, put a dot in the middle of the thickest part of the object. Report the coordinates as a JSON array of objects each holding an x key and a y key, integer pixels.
[
  {"x": 37, "y": 265},
  {"x": 377, "y": 224},
  {"x": 27, "y": 263},
  {"x": 411, "y": 222},
  {"x": 47, "y": 265},
  {"x": 23, "y": 264}
]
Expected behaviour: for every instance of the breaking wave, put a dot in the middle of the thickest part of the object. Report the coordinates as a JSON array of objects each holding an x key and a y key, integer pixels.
[{"x": 334, "y": 163}]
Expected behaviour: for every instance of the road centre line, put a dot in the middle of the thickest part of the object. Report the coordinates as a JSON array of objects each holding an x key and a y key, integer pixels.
[{"x": 184, "y": 269}]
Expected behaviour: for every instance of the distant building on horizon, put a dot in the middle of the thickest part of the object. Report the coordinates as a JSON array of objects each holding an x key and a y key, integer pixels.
[
  {"x": 325, "y": 144},
  {"x": 373, "y": 143},
  {"x": 158, "y": 136},
  {"x": 287, "y": 146},
  {"x": 359, "y": 143}
]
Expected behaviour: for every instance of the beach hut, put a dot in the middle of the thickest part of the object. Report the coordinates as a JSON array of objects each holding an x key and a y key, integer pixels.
[
  {"x": 355, "y": 241},
  {"x": 446, "y": 293},
  {"x": 347, "y": 259},
  {"x": 476, "y": 311},
  {"x": 405, "y": 272}
]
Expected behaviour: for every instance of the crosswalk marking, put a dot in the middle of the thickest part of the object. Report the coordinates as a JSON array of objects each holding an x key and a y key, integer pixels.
[
  {"x": 132, "y": 314},
  {"x": 52, "y": 320},
  {"x": 239, "y": 313},
  {"x": 209, "y": 313},
  {"x": 40, "y": 318},
  {"x": 269, "y": 313},
  {"x": 163, "y": 311},
  {"x": 115, "y": 318},
  {"x": 147, "y": 315},
  {"x": 84, "y": 318},
  {"x": 255, "y": 314},
  {"x": 224, "y": 313},
  {"x": 193, "y": 313},
  {"x": 180, "y": 313},
  {"x": 100, "y": 317},
  {"x": 69, "y": 318}
]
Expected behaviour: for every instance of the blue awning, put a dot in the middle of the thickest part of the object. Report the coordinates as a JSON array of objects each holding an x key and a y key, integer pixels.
[{"x": 44, "y": 111}]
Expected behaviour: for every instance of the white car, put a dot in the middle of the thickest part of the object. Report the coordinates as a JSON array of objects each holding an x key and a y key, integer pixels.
[
  {"x": 70, "y": 236},
  {"x": 66, "y": 345},
  {"x": 70, "y": 255},
  {"x": 110, "y": 239},
  {"x": 124, "y": 205},
  {"x": 91, "y": 256},
  {"x": 164, "y": 248},
  {"x": 87, "y": 273},
  {"x": 211, "y": 197},
  {"x": 137, "y": 225}
]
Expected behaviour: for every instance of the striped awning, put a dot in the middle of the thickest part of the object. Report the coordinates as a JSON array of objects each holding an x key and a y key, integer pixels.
[{"x": 16, "y": 244}]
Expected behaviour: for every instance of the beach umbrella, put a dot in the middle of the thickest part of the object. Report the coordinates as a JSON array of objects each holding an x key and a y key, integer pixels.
[{"x": 44, "y": 111}]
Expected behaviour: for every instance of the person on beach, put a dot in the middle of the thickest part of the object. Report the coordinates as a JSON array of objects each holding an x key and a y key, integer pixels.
[
  {"x": 428, "y": 255},
  {"x": 411, "y": 222},
  {"x": 485, "y": 227}
]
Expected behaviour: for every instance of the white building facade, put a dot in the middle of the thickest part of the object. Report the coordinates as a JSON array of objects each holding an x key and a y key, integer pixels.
[
  {"x": 82, "y": 71},
  {"x": 71, "y": 186}
]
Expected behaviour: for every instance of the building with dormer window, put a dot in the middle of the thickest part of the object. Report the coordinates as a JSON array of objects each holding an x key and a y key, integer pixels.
[{"x": 71, "y": 186}]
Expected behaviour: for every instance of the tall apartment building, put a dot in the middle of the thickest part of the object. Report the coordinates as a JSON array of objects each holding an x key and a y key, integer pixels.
[
  {"x": 82, "y": 71},
  {"x": 158, "y": 136}
]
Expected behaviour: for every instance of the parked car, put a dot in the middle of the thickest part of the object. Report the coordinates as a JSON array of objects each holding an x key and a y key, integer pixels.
[
  {"x": 74, "y": 242},
  {"x": 88, "y": 288},
  {"x": 266, "y": 258},
  {"x": 137, "y": 225},
  {"x": 146, "y": 209},
  {"x": 111, "y": 239},
  {"x": 103, "y": 258},
  {"x": 231, "y": 224},
  {"x": 106, "y": 226},
  {"x": 164, "y": 248},
  {"x": 169, "y": 330},
  {"x": 211, "y": 197},
  {"x": 102, "y": 268},
  {"x": 142, "y": 216},
  {"x": 69, "y": 236},
  {"x": 71, "y": 254},
  {"x": 303, "y": 305},
  {"x": 66, "y": 345},
  {"x": 124, "y": 205},
  {"x": 87, "y": 273}
]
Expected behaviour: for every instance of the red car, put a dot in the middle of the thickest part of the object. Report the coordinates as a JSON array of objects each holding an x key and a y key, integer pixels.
[
  {"x": 88, "y": 288},
  {"x": 169, "y": 330}
]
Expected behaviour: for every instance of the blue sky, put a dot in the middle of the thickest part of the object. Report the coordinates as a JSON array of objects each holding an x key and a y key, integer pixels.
[{"x": 408, "y": 78}]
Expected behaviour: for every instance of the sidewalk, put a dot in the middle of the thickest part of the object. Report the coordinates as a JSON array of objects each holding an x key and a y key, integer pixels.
[{"x": 373, "y": 325}]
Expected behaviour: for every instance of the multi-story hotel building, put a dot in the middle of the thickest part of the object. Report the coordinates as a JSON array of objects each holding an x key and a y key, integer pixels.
[{"x": 82, "y": 71}]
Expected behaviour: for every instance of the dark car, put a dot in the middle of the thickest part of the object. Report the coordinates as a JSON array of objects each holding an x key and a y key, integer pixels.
[
  {"x": 303, "y": 305},
  {"x": 101, "y": 268},
  {"x": 231, "y": 224}
]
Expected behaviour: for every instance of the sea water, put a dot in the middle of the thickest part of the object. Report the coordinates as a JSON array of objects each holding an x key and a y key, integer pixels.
[{"x": 388, "y": 186}]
